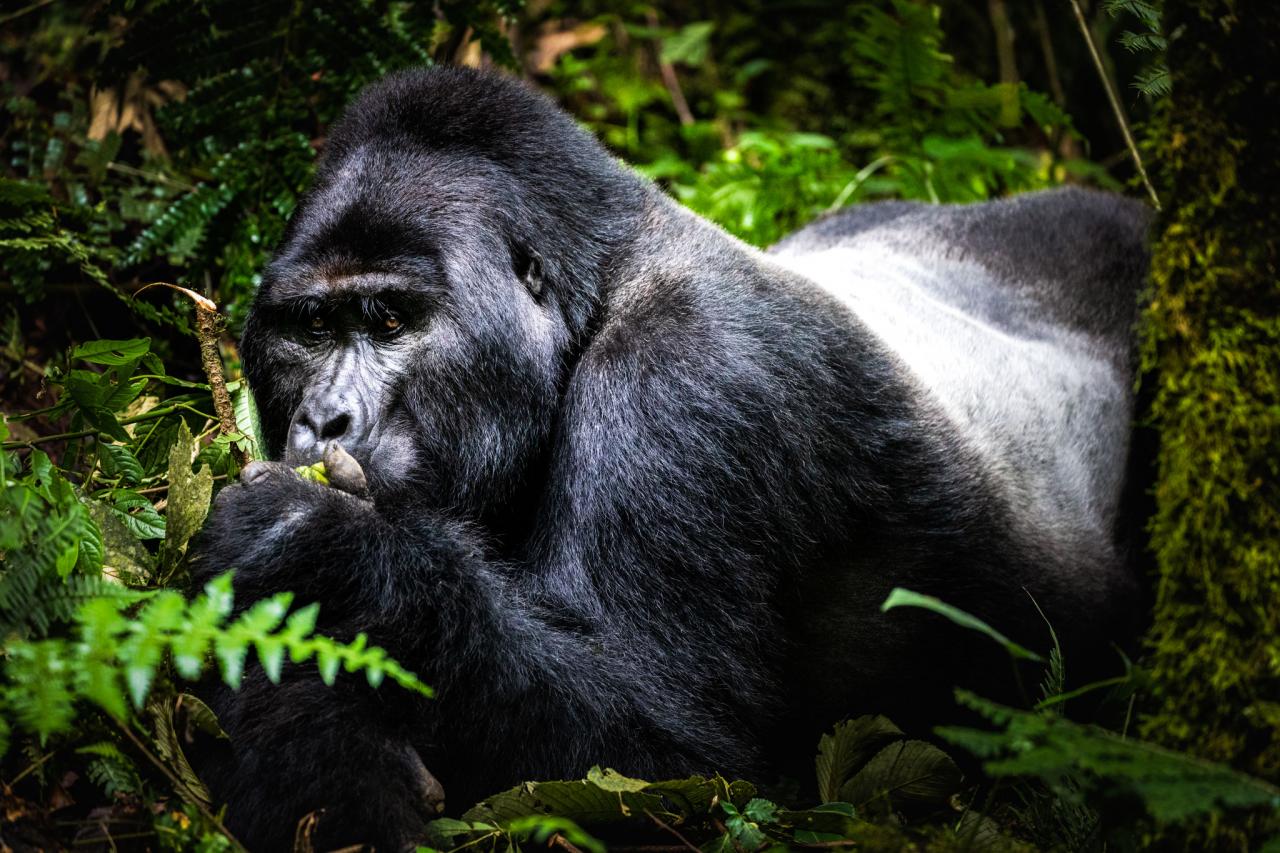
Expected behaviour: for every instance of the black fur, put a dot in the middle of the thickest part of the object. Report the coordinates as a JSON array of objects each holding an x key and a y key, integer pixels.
[{"x": 637, "y": 491}]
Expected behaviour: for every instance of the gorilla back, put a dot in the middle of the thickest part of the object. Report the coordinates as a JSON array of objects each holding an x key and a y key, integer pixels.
[{"x": 637, "y": 490}]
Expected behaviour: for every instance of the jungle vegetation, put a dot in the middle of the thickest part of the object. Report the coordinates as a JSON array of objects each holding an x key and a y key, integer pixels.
[{"x": 153, "y": 141}]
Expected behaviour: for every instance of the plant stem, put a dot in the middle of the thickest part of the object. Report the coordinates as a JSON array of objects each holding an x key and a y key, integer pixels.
[
  {"x": 208, "y": 329},
  {"x": 176, "y": 782},
  {"x": 67, "y": 436},
  {"x": 1115, "y": 103}
]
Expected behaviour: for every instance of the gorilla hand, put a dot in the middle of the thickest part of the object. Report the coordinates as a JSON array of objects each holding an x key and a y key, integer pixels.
[
  {"x": 353, "y": 757},
  {"x": 279, "y": 531}
]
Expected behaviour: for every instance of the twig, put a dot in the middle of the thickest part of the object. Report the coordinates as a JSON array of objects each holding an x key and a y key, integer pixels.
[
  {"x": 13, "y": 16},
  {"x": 559, "y": 840},
  {"x": 208, "y": 328},
  {"x": 670, "y": 80},
  {"x": 150, "y": 414},
  {"x": 209, "y": 325},
  {"x": 30, "y": 769},
  {"x": 157, "y": 489},
  {"x": 1050, "y": 58},
  {"x": 1115, "y": 103},
  {"x": 671, "y": 829},
  {"x": 176, "y": 782},
  {"x": 126, "y": 169}
]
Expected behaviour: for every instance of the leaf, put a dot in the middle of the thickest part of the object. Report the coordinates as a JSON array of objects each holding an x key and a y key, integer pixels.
[
  {"x": 688, "y": 45},
  {"x": 189, "y": 496},
  {"x": 198, "y": 715},
  {"x": 910, "y": 773},
  {"x": 118, "y": 461},
  {"x": 138, "y": 678},
  {"x": 847, "y": 748},
  {"x": 100, "y": 683},
  {"x": 137, "y": 514},
  {"x": 169, "y": 748},
  {"x": 760, "y": 810},
  {"x": 248, "y": 420},
  {"x": 612, "y": 780},
  {"x": 900, "y": 597},
  {"x": 834, "y": 820},
  {"x": 328, "y": 662},
  {"x": 231, "y": 654},
  {"x": 315, "y": 472},
  {"x": 271, "y": 655},
  {"x": 589, "y": 803},
  {"x": 112, "y": 352},
  {"x": 124, "y": 558}
]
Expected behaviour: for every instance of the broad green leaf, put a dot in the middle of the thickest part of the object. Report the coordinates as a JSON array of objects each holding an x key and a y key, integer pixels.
[
  {"x": 118, "y": 461},
  {"x": 189, "y": 496},
  {"x": 759, "y": 810},
  {"x": 137, "y": 514},
  {"x": 198, "y": 715},
  {"x": 124, "y": 557},
  {"x": 590, "y": 804},
  {"x": 92, "y": 547},
  {"x": 112, "y": 352},
  {"x": 612, "y": 780},
  {"x": 910, "y": 773},
  {"x": 832, "y": 820},
  {"x": 689, "y": 44},
  {"x": 849, "y": 746},
  {"x": 900, "y": 597},
  {"x": 248, "y": 421}
]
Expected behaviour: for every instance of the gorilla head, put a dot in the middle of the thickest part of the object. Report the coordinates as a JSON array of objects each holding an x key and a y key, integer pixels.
[
  {"x": 424, "y": 306},
  {"x": 637, "y": 489}
]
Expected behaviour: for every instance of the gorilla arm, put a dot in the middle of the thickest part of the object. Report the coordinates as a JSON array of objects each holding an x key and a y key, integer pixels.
[{"x": 523, "y": 691}]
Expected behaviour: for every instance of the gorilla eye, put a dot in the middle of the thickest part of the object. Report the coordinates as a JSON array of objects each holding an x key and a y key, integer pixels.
[
  {"x": 392, "y": 323},
  {"x": 317, "y": 326}
]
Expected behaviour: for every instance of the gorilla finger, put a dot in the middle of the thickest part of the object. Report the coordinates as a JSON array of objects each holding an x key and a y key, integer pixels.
[
  {"x": 259, "y": 473},
  {"x": 254, "y": 472},
  {"x": 343, "y": 471}
]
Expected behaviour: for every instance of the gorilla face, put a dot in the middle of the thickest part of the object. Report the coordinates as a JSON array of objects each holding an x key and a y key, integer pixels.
[{"x": 414, "y": 329}]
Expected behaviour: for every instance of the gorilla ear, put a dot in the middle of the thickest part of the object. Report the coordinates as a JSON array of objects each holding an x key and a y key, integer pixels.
[{"x": 529, "y": 269}]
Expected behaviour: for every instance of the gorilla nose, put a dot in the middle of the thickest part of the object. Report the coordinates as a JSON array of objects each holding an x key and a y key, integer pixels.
[{"x": 319, "y": 421}]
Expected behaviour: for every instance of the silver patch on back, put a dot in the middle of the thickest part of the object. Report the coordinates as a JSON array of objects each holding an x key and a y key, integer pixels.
[{"x": 1043, "y": 406}]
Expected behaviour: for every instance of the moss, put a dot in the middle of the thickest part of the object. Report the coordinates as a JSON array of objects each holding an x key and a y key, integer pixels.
[{"x": 1212, "y": 358}]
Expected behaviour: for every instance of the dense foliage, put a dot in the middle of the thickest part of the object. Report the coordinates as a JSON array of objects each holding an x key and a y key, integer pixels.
[{"x": 147, "y": 140}]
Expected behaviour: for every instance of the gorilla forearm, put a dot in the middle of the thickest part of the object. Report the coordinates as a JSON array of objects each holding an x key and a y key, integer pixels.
[
  {"x": 349, "y": 755},
  {"x": 425, "y": 590}
]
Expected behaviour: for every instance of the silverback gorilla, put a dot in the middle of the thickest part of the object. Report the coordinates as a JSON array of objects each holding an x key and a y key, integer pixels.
[{"x": 636, "y": 490}]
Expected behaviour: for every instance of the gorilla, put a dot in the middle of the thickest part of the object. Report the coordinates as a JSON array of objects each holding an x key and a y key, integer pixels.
[{"x": 636, "y": 490}]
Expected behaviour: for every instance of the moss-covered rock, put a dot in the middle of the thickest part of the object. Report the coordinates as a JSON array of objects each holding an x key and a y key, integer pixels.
[{"x": 1212, "y": 354}]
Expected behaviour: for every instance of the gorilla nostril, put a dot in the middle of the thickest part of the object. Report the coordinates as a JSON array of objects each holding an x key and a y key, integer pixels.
[{"x": 335, "y": 427}]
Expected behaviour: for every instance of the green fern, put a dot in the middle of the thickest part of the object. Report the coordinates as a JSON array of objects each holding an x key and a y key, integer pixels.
[
  {"x": 110, "y": 769},
  {"x": 114, "y": 657},
  {"x": 1173, "y": 787},
  {"x": 1153, "y": 81}
]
